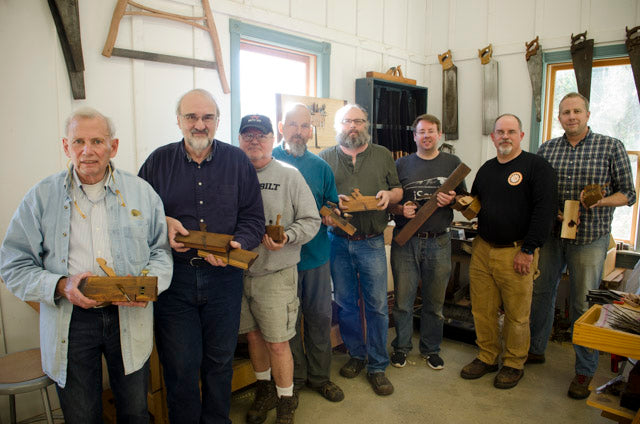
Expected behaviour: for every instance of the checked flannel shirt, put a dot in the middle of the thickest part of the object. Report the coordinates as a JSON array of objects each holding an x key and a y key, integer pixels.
[{"x": 596, "y": 159}]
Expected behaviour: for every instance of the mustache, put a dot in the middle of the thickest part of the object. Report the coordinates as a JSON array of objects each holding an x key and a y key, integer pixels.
[{"x": 204, "y": 132}]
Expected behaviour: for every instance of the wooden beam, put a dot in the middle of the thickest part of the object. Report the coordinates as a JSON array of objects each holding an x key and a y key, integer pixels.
[
  {"x": 164, "y": 58},
  {"x": 66, "y": 17}
]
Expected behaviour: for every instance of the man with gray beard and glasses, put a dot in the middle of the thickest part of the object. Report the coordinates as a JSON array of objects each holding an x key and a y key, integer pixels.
[
  {"x": 202, "y": 182},
  {"x": 314, "y": 279},
  {"x": 358, "y": 261}
]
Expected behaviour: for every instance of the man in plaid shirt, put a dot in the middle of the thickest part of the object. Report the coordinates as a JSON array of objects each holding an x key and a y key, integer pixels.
[{"x": 580, "y": 157}]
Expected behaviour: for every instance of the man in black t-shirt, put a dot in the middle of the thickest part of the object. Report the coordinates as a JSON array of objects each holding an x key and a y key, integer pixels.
[
  {"x": 517, "y": 191},
  {"x": 426, "y": 257}
]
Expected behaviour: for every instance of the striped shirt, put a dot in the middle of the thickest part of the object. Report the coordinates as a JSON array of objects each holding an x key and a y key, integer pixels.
[{"x": 596, "y": 159}]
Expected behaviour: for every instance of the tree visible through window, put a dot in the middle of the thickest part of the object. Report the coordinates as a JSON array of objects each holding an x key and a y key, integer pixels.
[{"x": 615, "y": 111}]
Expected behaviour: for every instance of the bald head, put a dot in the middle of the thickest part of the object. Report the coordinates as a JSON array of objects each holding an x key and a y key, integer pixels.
[{"x": 296, "y": 129}]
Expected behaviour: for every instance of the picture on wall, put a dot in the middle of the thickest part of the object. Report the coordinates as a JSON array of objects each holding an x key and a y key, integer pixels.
[{"x": 322, "y": 112}]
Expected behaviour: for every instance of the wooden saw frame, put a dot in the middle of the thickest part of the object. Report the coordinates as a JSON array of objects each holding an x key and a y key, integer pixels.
[{"x": 204, "y": 23}]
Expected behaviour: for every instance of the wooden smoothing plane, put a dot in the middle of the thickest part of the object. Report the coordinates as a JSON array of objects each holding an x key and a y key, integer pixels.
[
  {"x": 356, "y": 202},
  {"x": 340, "y": 221},
  {"x": 113, "y": 288}
]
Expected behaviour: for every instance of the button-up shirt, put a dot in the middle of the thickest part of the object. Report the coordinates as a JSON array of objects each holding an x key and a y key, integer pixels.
[
  {"x": 221, "y": 192},
  {"x": 596, "y": 159},
  {"x": 35, "y": 255}
]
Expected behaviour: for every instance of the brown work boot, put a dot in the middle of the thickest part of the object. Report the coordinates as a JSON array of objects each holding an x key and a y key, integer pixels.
[
  {"x": 352, "y": 368},
  {"x": 286, "y": 410},
  {"x": 579, "y": 387},
  {"x": 476, "y": 369},
  {"x": 507, "y": 378},
  {"x": 534, "y": 358},
  {"x": 330, "y": 391},
  {"x": 265, "y": 400},
  {"x": 380, "y": 383}
]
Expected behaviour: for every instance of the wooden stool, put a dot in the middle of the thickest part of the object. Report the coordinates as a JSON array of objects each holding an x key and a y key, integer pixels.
[{"x": 21, "y": 372}]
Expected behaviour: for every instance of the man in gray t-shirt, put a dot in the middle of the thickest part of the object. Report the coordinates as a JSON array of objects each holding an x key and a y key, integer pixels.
[{"x": 426, "y": 256}]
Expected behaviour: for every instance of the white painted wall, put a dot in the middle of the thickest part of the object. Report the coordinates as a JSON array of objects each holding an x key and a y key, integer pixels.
[{"x": 365, "y": 35}]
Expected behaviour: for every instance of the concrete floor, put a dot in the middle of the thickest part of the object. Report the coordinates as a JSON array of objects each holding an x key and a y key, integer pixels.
[{"x": 423, "y": 395}]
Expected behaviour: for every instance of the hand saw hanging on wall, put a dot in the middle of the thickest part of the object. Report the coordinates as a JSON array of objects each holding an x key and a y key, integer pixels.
[
  {"x": 489, "y": 89},
  {"x": 582, "y": 57},
  {"x": 449, "y": 96},
  {"x": 633, "y": 47},
  {"x": 534, "y": 65}
]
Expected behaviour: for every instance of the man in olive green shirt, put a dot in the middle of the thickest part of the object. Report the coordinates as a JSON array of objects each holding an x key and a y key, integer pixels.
[{"x": 358, "y": 262}]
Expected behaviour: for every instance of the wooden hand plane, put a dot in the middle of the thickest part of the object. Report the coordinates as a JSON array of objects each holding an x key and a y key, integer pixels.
[
  {"x": 340, "y": 222},
  {"x": 276, "y": 232},
  {"x": 356, "y": 202},
  {"x": 113, "y": 288}
]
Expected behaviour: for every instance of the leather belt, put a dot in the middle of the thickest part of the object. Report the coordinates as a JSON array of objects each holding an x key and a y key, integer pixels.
[
  {"x": 517, "y": 243},
  {"x": 195, "y": 261},
  {"x": 357, "y": 237},
  {"x": 429, "y": 234}
]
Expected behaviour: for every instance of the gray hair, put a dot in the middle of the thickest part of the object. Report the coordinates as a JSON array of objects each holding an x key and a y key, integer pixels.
[
  {"x": 340, "y": 113},
  {"x": 508, "y": 114},
  {"x": 90, "y": 113},
  {"x": 573, "y": 94},
  {"x": 203, "y": 93}
]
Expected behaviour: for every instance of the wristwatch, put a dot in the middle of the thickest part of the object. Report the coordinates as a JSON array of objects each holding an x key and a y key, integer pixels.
[{"x": 527, "y": 250}]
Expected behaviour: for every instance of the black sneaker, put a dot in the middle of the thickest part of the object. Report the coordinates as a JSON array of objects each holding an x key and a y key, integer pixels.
[
  {"x": 435, "y": 361},
  {"x": 398, "y": 359},
  {"x": 380, "y": 383},
  {"x": 265, "y": 400},
  {"x": 352, "y": 368},
  {"x": 286, "y": 410}
]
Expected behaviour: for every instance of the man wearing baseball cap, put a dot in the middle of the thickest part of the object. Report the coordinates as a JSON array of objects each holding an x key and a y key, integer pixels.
[{"x": 270, "y": 302}]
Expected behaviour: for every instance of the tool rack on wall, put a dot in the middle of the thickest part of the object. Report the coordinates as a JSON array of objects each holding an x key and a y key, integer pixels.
[{"x": 392, "y": 107}]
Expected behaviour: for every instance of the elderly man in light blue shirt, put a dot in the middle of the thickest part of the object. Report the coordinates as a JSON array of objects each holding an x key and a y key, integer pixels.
[{"x": 62, "y": 225}]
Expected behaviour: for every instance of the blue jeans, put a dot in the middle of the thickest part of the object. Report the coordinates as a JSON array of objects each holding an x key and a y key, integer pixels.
[
  {"x": 360, "y": 268},
  {"x": 427, "y": 260},
  {"x": 314, "y": 291},
  {"x": 93, "y": 333},
  {"x": 196, "y": 323},
  {"x": 584, "y": 263}
]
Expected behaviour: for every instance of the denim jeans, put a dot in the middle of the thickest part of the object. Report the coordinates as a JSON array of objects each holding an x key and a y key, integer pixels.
[
  {"x": 427, "y": 260},
  {"x": 93, "y": 333},
  {"x": 584, "y": 263},
  {"x": 196, "y": 323},
  {"x": 314, "y": 291},
  {"x": 360, "y": 268}
]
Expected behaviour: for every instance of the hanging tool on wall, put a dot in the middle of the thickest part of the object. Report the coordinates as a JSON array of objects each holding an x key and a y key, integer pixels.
[
  {"x": 489, "y": 89},
  {"x": 633, "y": 47},
  {"x": 534, "y": 64},
  {"x": 449, "y": 96},
  {"x": 204, "y": 23},
  {"x": 582, "y": 57}
]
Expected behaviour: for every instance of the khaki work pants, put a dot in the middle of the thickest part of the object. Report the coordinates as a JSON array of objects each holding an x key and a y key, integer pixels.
[{"x": 494, "y": 283}]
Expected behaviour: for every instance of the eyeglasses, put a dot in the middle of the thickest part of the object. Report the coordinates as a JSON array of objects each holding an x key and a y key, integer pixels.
[
  {"x": 259, "y": 137},
  {"x": 192, "y": 118},
  {"x": 353, "y": 121}
]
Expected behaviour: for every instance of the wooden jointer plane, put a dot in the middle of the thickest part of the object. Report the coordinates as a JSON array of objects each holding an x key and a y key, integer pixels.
[
  {"x": 113, "y": 288},
  {"x": 218, "y": 245}
]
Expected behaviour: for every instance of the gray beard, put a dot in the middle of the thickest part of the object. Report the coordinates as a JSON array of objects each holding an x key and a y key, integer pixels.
[
  {"x": 199, "y": 145},
  {"x": 353, "y": 143},
  {"x": 505, "y": 150},
  {"x": 295, "y": 149}
]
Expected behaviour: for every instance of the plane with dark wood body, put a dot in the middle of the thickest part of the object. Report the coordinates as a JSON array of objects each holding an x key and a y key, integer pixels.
[{"x": 214, "y": 242}]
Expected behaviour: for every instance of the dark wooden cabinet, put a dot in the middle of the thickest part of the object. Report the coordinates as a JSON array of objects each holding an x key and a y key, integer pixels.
[{"x": 392, "y": 107}]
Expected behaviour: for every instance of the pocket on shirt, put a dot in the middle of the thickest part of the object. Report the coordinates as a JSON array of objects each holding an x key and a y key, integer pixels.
[
  {"x": 136, "y": 245},
  {"x": 225, "y": 200}
]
